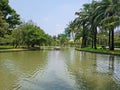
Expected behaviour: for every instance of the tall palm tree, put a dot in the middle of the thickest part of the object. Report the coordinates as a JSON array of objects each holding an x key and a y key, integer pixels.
[
  {"x": 83, "y": 20},
  {"x": 94, "y": 23},
  {"x": 87, "y": 19}
]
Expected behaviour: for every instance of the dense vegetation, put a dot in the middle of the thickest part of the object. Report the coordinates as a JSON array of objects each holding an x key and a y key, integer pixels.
[
  {"x": 29, "y": 34},
  {"x": 17, "y": 33},
  {"x": 96, "y": 23}
]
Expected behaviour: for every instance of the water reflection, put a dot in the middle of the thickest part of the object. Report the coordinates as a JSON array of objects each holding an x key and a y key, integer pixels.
[
  {"x": 111, "y": 62},
  {"x": 59, "y": 70},
  {"x": 53, "y": 78},
  {"x": 17, "y": 66},
  {"x": 94, "y": 71}
]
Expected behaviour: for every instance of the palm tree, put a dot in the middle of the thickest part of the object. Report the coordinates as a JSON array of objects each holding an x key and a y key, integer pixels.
[
  {"x": 108, "y": 13},
  {"x": 72, "y": 28},
  {"x": 88, "y": 21},
  {"x": 103, "y": 14},
  {"x": 83, "y": 20},
  {"x": 93, "y": 24}
]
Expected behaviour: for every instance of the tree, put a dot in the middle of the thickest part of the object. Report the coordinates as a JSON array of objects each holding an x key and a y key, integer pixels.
[
  {"x": 93, "y": 23},
  {"x": 17, "y": 36},
  {"x": 63, "y": 39},
  {"x": 32, "y": 35},
  {"x": 78, "y": 37},
  {"x": 109, "y": 10},
  {"x": 3, "y": 25},
  {"x": 98, "y": 15},
  {"x": 10, "y": 15},
  {"x": 49, "y": 40},
  {"x": 83, "y": 20}
]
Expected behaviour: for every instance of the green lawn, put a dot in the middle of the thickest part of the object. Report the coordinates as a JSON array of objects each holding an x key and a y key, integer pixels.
[
  {"x": 99, "y": 50},
  {"x": 6, "y": 47}
]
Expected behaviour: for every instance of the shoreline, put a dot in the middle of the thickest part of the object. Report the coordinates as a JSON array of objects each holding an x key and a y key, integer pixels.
[
  {"x": 23, "y": 49},
  {"x": 13, "y": 50},
  {"x": 98, "y": 52},
  {"x": 78, "y": 49}
]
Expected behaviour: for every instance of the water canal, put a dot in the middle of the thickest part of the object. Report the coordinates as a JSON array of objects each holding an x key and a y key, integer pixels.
[{"x": 59, "y": 70}]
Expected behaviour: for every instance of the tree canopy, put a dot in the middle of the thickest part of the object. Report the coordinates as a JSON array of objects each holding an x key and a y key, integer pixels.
[
  {"x": 10, "y": 15},
  {"x": 30, "y": 34},
  {"x": 96, "y": 16}
]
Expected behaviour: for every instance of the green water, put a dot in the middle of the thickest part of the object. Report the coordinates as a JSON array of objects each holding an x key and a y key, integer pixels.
[{"x": 59, "y": 70}]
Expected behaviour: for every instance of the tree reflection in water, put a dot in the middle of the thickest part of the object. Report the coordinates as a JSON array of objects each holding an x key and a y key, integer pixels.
[
  {"x": 111, "y": 62},
  {"x": 90, "y": 71}
]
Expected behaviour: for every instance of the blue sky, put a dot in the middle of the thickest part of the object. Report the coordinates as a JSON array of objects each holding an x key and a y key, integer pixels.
[{"x": 51, "y": 15}]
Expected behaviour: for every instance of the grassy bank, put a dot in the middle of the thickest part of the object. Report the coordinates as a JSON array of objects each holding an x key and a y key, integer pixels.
[
  {"x": 101, "y": 51},
  {"x": 11, "y": 49},
  {"x": 6, "y": 47}
]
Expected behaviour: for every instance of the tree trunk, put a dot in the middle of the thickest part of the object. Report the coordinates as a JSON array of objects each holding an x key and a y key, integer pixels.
[
  {"x": 109, "y": 43},
  {"x": 84, "y": 39},
  {"x": 32, "y": 45},
  {"x": 95, "y": 38},
  {"x": 16, "y": 44},
  {"x": 92, "y": 44},
  {"x": 112, "y": 40},
  {"x": 83, "y": 42}
]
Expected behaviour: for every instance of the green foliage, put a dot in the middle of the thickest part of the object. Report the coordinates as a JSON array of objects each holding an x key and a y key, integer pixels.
[
  {"x": 63, "y": 39},
  {"x": 117, "y": 43},
  {"x": 48, "y": 40},
  {"x": 10, "y": 15},
  {"x": 5, "y": 47},
  {"x": 99, "y": 50},
  {"x": 17, "y": 36},
  {"x": 6, "y": 40},
  {"x": 3, "y": 25},
  {"x": 78, "y": 34},
  {"x": 29, "y": 34},
  {"x": 32, "y": 35},
  {"x": 94, "y": 17}
]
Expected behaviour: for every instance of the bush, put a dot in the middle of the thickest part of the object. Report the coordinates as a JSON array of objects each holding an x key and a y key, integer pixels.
[{"x": 117, "y": 44}]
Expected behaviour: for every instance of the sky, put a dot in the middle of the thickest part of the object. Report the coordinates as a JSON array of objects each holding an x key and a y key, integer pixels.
[{"x": 52, "y": 16}]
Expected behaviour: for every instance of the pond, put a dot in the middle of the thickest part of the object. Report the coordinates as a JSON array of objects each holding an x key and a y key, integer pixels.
[{"x": 59, "y": 70}]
